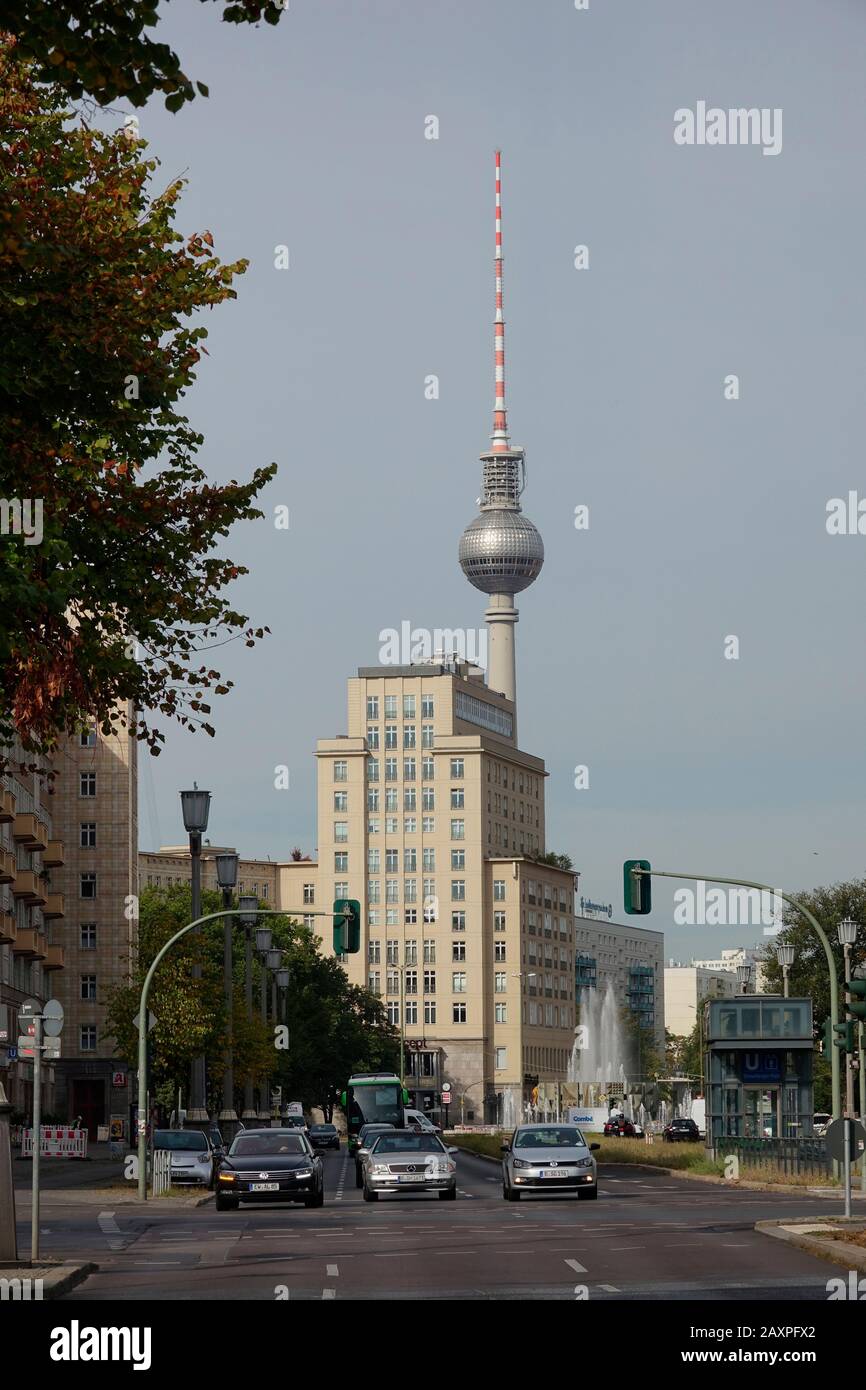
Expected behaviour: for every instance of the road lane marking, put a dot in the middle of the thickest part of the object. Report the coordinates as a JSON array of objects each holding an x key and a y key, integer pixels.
[
  {"x": 609, "y": 1288},
  {"x": 576, "y": 1266},
  {"x": 626, "y": 1247},
  {"x": 329, "y": 1293},
  {"x": 332, "y": 1271},
  {"x": 109, "y": 1226}
]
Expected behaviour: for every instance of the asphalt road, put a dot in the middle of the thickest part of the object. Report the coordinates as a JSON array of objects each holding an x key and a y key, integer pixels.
[{"x": 648, "y": 1236}]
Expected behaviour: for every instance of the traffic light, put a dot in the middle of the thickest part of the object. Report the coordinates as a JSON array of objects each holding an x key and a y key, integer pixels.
[
  {"x": 637, "y": 888},
  {"x": 828, "y": 1036},
  {"x": 857, "y": 1006},
  {"x": 844, "y": 1039},
  {"x": 347, "y": 926}
]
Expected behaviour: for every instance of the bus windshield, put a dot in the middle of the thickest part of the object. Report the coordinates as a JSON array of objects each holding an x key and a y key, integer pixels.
[{"x": 377, "y": 1103}]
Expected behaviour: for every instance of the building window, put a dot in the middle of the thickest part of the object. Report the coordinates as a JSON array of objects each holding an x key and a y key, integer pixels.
[
  {"x": 500, "y": 982},
  {"x": 341, "y": 889},
  {"x": 500, "y": 1013},
  {"x": 341, "y": 862},
  {"x": 88, "y": 988},
  {"x": 373, "y": 952},
  {"x": 458, "y": 830},
  {"x": 341, "y": 831},
  {"x": 500, "y": 1055},
  {"x": 458, "y": 1013},
  {"x": 428, "y": 799},
  {"x": 408, "y": 769},
  {"x": 372, "y": 769},
  {"x": 428, "y": 825},
  {"x": 390, "y": 769},
  {"x": 372, "y": 706},
  {"x": 458, "y": 950},
  {"x": 429, "y": 951},
  {"x": 457, "y": 799},
  {"x": 426, "y": 735},
  {"x": 390, "y": 706},
  {"x": 373, "y": 737},
  {"x": 409, "y": 801},
  {"x": 429, "y": 1010},
  {"x": 408, "y": 706},
  {"x": 411, "y": 952},
  {"x": 410, "y": 981},
  {"x": 411, "y": 1011},
  {"x": 373, "y": 982},
  {"x": 499, "y": 890},
  {"x": 410, "y": 825},
  {"x": 372, "y": 798},
  {"x": 458, "y": 889},
  {"x": 87, "y": 784},
  {"x": 426, "y": 706},
  {"x": 390, "y": 736},
  {"x": 392, "y": 948},
  {"x": 309, "y": 892},
  {"x": 391, "y": 804},
  {"x": 410, "y": 890},
  {"x": 392, "y": 982},
  {"x": 393, "y": 1011},
  {"x": 87, "y": 738},
  {"x": 87, "y": 885},
  {"x": 87, "y": 832},
  {"x": 499, "y": 921},
  {"x": 410, "y": 916},
  {"x": 429, "y": 981},
  {"x": 409, "y": 736},
  {"x": 458, "y": 921},
  {"x": 458, "y": 982},
  {"x": 372, "y": 861},
  {"x": 341, "y": 771},
  {"x": 456, "y": 767},
  {"x": 87, "y": 1037},
  {"x": 410, "y": 860},
  {"x": 341, "y": 801},
  {"x": 87, "y": 936},
  {"x": 499, "y": 951},
  {"x": 458, "y": 859},
  {"x": 426, "y": 769}
]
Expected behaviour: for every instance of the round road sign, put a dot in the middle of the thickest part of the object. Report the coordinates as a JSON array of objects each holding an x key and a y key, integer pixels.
[
  {"x": 835, "y": 1139},
  {"x": 52, "y": 1019}
]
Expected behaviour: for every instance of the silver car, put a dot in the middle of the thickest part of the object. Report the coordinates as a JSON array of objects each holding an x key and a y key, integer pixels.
[
  {"x": 402, "y": 1160},
  {"x": 549, "y": 1158},
  {"x": 192, "y": 1155}
]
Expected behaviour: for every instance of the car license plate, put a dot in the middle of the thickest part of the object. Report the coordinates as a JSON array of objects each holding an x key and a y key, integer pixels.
[
  {"x": 410, "y": 1177},
  {"x": 554, "y": 1173},
  {"x": 264, "y": 1187}
]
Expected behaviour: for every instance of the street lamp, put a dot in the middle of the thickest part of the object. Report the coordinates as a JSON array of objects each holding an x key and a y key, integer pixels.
[
  {"x": 744, "y": 975},
  {"x": 195, "y": 806},
  {"x": 247, "y": 905},
  {"x": 283, "y": 977},
  {"x": 227, "y": 877},
  {"x": 273, "y": 958},
  {"x": 847, "y": 933},
  {"x": 263, "y": 939},
  {"x": 785, "y": 956}
]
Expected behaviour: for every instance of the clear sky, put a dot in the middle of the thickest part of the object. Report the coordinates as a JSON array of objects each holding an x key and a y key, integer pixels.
[{"x": 707, "y": 515}]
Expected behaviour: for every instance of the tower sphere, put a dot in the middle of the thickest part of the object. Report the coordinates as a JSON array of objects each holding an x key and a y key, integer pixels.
[{"x": 501, "y": 552}]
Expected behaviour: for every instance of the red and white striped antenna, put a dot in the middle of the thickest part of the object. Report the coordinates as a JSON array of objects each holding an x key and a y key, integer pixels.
[{"x": 500, "y": 423}]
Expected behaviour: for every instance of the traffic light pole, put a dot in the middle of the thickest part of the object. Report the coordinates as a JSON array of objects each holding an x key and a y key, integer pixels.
[
  {"x": 835, "y": 1069},
  {"x": 142, "y": 1032}
]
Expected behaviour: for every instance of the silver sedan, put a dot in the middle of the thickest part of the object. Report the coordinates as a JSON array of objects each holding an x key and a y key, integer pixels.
[
  {"x": 402, "y": 1160},
  {"x": 548, "y": 1158}
]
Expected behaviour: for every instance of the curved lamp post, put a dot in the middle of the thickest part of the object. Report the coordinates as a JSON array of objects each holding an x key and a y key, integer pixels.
[
  {"x": 785, "y": 956},
  {"x": 227, "y": 877},
  {"x": 195, "y": 806}
]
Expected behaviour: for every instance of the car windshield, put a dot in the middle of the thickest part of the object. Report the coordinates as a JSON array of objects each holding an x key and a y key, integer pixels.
[
  {"x": 324, "y": 1129},
  {"x": 179, "y": 1139},
  {"x": 248, "y": 1144},
  {"x": 367, "y": 1131},
  {"x": 408, "y": 1143},
  {"x": 549, "y": 1138}
]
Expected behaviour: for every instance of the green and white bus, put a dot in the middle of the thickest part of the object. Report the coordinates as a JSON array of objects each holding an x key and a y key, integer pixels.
[{"x": 373, "y": 1097}]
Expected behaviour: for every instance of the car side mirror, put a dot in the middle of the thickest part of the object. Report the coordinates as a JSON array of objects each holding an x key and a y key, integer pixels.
[
  {"x": 505, "y": 1148},
  {"x": 454, "y": 1151},
  {"x": 595, "y": 1146}
]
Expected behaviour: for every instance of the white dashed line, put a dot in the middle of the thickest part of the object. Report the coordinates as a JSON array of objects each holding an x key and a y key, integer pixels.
[
  {"x": 329, "y": 1293},
  {"x": 609, "y": 1288},
  {"x": 576, "y": 1266},
  {"x": 332, "y": 1271}
]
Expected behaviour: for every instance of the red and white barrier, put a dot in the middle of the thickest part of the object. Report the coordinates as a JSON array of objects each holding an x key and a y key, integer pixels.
[{"x": 55, "y": 1141}]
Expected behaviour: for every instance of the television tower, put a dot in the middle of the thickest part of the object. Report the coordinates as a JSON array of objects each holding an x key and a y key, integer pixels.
[{"x": 501, "y": 552}]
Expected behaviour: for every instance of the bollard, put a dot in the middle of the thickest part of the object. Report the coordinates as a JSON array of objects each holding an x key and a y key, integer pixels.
[{"x": 8, "y": 1237}]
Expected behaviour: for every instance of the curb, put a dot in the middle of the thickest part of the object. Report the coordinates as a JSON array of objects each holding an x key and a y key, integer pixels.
[
  {"x": 56, "y": 1279},
  {"x": 835, "y": 1252}
]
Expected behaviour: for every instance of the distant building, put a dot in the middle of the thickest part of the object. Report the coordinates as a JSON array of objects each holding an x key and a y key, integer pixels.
[
  {"x": 741, "y": 955},
  {"x": 686, "y": 986},
  {"x": 632, "y": 959}
]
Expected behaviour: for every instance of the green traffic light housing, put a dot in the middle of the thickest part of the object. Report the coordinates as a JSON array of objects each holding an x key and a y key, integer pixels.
[
  {"x": 637, "y": 887},
  {"x": 844, "y": 1039},
  {"x": 347, "y": 926},
  {"x": 857, "y": 1005}
]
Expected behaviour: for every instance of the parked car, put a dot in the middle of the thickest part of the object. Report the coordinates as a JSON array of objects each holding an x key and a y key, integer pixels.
[
  {"x": 192, "y": 1155},
  {"x": 364, "y": 1133},
  {"x": 551, "y": 1157},
  {"x": 617, "y": 1126},
  {"x": 324, "y": 1137},
  {"x": 407, "y": 1160},
  {"x": 270, "y": 1165},
  {"x": 681, "y": 1129}
]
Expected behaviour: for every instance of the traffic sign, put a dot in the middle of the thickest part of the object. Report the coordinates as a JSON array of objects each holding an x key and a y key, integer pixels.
[
  {"x": 51, "y": 1049},
  {"x": 835, "y": 1139},
  {"x": 29, "y": 1009},
  {"x": 12, "y": 1054},
  {"x": 52, "y": 1018},
  {"x": 25, "y": 1049},
  {"x": 151, "y": 1020}
]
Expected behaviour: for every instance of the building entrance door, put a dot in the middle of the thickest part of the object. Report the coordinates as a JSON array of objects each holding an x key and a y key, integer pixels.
[
  {"x": 88, "y": 1101},
  {"x": 761, "y": 1112}
]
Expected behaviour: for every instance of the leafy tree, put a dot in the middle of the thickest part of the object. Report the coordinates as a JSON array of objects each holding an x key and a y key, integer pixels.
[
  {"x": 123, "y": 593},
  {"x": 99, "y": 47},
  {"x": 557, "y": 861},
  {"x": 809, "y": 975}
]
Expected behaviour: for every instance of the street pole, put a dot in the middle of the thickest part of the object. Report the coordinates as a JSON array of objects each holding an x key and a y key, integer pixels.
[
  {"x": 37, "y": 1125},
  {"x": 846, "y": 1164},
  {"x": 249, "y": 1106},
  {"x": 228, "y": 1111},
  {"x": 197, "y": 1094},
  {"x": 862, "y": 1079},
  {"x": 264, "y": 1084},
  {"x": 849, "y": 1069}
]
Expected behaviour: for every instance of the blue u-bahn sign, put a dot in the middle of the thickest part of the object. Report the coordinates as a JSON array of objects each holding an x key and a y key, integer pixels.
[{"x": 761, "y": 1066}]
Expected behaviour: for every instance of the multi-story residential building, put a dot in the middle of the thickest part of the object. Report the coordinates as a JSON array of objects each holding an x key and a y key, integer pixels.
[
  {"x": 686, "y": 986},
  {"x": 632, "y": 960},
  {"x": 31, "y": 921},
  {"x": 95, "y": 804},
  {"x": 729, "y": 960}
]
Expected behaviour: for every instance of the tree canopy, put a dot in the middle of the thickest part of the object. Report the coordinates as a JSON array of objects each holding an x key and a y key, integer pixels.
[
  {"x": 100, "y": 47},
  {"x": 122, "y": 593}
]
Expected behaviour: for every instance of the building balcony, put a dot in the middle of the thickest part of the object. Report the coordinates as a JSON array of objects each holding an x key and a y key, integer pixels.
[
  {"x": 7, "y": 928},
  {"x": 53, "y": 905},
  {"x": 7, "y": 866},
  {"x": 7, "y": 804},
  {"x": 53, "y": 857},
  {"x": 28, "y": 830},
  {"x": 29, "y": 943},
  {"x": 54, "y": 958},
  {"x": 28, "y": 887}
]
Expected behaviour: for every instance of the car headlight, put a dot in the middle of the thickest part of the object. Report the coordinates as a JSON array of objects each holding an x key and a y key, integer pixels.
[
  {"x": 304, "y": 1173},
  {"x": 380, "y": 1169},
  {"x": 521, "y": 1163},
  {"x": 584, "y": 1163},
  {"x": 226, "y": 1177}
]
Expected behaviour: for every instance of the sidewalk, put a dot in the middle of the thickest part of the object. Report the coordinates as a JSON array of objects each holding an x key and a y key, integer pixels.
[{"x": 38, "y": 1283}]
